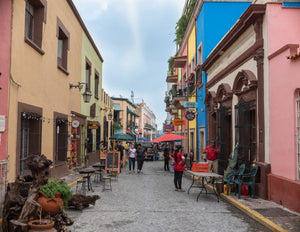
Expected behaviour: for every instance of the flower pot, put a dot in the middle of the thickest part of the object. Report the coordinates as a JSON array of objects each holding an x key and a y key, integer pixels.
[
  {"x": 50, "y": 205},
  {"x": 44, "y": 225}
]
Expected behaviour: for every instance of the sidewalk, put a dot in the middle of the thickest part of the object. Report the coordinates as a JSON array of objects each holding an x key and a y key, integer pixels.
[{"x": 271, "y": 215}]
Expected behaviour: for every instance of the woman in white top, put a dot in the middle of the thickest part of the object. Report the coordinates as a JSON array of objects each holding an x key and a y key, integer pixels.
[{"x": 132, "y": 157}]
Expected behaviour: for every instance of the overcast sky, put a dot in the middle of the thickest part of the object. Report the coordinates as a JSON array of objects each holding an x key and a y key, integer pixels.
[{"x": 135, "y": 39}]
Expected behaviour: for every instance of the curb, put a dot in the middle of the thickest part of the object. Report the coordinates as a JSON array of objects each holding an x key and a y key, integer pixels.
[{"x": 252, "y": 213}]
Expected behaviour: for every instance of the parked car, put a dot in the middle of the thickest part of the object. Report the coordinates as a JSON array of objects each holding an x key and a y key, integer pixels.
[{"x": 149, "y": 150}]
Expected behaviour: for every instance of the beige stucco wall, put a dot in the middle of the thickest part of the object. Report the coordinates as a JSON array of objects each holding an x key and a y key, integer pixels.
[
  {"x": 231, "y": 54},
  {"x": 42, "y": 84}
]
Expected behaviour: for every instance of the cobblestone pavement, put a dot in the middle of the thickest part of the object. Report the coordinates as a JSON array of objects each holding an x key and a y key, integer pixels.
[{"x": 148, "y": 202}]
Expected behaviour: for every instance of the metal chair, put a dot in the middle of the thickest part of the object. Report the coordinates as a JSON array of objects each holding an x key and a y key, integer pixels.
[
  {"x": 249, "y": 180},
  {"x": 107, "y": 183},
  {"x": 81, "y": 186}
]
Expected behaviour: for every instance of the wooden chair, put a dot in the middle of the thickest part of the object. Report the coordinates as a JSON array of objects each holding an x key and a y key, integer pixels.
[{"x": 249, "y": 180}]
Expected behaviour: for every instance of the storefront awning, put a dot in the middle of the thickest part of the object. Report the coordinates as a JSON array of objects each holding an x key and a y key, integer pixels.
[
  {"x": 133, "y": 133},
  {"x": 117, "y": 107},
  {"x": 129, "y": 111}
]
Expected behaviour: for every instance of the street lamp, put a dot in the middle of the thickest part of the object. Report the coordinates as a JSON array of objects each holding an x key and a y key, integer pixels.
[
  {"x": 110, "y": 116},
  {"x": 87, "y": 96}
]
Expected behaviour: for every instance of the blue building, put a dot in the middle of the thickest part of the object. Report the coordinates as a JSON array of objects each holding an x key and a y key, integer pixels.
[{"x": 213, "y": 22}]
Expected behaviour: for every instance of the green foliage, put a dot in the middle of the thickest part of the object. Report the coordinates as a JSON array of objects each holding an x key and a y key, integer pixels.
[
  {"x": 170, "y": 61},
  {"x": 57, "y": 186},
  {"x": 117, "y": 126},
  {"x": 183, "y": 22}
]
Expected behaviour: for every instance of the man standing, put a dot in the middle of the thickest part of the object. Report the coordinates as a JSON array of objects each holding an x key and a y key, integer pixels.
[
  {"x": 140, "y": 155},
  {"x": 212, "y": 156}
]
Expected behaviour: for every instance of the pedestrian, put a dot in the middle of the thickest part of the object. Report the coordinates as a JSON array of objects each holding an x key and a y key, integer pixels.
[
  {"x": 191, "y": 155},
  {"x": 131, "y": 157},
  {"x": 211, "y": 152},
  {"x": 120, "y": 148},
  {"x": 178, "y": 167},
  {"x": 140, "y": 155},
  {"x": 166, "y": 158}
]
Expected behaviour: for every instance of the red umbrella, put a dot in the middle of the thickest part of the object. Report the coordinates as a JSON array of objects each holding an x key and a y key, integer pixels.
[{"x": 168, "y": 137}]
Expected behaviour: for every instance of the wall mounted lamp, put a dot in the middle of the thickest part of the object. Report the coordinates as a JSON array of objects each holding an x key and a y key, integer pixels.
[
  {"x": 86, "y": 95},
  {"x": 79, "y": 85},
  {"x": 109, "y": 116}
]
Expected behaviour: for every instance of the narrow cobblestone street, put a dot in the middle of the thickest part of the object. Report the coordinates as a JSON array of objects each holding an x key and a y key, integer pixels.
[{"x": 148, "y": 202}]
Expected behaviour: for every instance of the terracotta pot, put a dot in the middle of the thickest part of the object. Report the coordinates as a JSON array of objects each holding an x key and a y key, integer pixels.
[
  {"x": 45, "y": 225},
  {"x": 50, "y": 205}
]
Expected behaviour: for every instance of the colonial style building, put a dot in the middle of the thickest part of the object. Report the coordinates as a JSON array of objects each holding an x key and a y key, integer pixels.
[
  {"x": 49, "y": 57},
  {"x": 146, "y": 122}
]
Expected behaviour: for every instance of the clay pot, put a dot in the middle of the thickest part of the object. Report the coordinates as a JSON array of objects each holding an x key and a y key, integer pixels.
[
  {"x": 50, "y": 205},
  {"x": 45, "y": 225}
]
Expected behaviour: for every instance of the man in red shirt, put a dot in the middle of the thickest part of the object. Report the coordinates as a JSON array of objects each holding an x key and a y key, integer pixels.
[{"x": 212, "y": 156}]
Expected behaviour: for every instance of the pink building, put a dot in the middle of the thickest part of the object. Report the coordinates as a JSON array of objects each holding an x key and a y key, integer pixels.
[
  {"x": 283, "y": 43},
  {"x": 5, "y": 25}
]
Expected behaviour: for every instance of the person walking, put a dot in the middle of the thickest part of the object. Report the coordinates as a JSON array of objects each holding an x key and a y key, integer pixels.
[
  {"x": 178, "y": 167},
  {"x": 212, "y": 156},
  {"x": 131, "y": 157},
  {"x": 166, "y": 158},
  {"x": 140, "y": 155}
]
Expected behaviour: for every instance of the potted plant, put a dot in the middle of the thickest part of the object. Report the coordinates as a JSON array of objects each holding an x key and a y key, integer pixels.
[{"x": 54, "y": 196}]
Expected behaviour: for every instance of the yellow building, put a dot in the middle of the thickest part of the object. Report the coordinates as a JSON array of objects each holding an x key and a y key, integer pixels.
[
  {"x": 192, "y": 93},
  {"x": 46, "y": 67}
]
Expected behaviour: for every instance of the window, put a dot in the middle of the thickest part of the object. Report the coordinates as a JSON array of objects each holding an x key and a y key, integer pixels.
[
  {"x": 35, "y": 15},
  {"x": 61, "y": 139},
  {"x": 96, "y": 85},
  {"x": 88, "y": 76},
  {"x": 30, "y": 138},
  {"x": 62, "y": 47}
]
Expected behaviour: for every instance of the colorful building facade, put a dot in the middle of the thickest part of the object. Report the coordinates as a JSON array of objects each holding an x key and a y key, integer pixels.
[
  {"x": 283, "y": 57},
  {"x": 46, "y": 69},
  {"x": 214, "y": 19}
]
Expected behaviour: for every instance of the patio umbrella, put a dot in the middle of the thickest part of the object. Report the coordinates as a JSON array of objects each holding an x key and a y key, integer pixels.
[
  {"x": 168, "y": 137},
  {"x": 121, "y": 137},
  {"x": 143, "y": 139}
]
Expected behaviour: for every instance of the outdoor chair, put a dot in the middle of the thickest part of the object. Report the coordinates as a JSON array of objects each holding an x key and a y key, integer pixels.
[
  {"x": 249, "y": 180},
  {"x": 234, "y": 178}
]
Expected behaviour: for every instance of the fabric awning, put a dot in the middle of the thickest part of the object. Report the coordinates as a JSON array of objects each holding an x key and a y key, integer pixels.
[{"x": 117, "y": 107}]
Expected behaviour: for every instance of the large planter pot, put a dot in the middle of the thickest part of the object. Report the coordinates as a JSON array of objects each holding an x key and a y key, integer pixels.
[
  {"x": 44, "y": 225},
  {"x": 50, "y": 205}
]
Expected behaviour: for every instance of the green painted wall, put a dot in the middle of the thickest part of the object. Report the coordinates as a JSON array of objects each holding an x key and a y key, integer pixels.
[{"x": 89, "y": 52}]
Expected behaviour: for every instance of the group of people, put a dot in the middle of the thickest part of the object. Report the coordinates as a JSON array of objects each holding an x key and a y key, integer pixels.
[
  {"x": 136, "y": 154},
  {"x": 178, "y": 158}
]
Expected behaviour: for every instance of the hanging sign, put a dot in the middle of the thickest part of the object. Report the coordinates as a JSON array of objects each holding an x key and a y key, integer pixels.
[
  {"x": 190, "y": 104},
  {"x": 190, "y": 116},
  {"x": 75, "y": 123},
  {"x": 178, "y": 122}
]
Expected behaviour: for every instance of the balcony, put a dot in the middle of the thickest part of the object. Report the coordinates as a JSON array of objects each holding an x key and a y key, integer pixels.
[
  {"x": 179, "y": 61},
  {"x": 172, "y": 78}
]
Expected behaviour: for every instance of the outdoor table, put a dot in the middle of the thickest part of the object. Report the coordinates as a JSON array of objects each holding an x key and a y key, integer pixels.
[
  {"x": 99, "y": 167},
  {"x": 88, "y": 173},
  {"x": 204, "y": 176}
]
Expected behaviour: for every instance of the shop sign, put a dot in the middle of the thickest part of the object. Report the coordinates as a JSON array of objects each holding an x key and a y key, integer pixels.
[
  {"x": 93, "y": 123},
  {"x": 169, "y": 127},
  {"x": 190, "y": 116},
  {"x": 75, "y": 123},
  {"x": 190, "y": 104},
  {"x": 178, "y": 122},
  {"x": 93, "y": 127}
]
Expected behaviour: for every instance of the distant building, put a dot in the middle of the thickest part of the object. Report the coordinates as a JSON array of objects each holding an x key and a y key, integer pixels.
[{"x": 146, "y": 122}]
